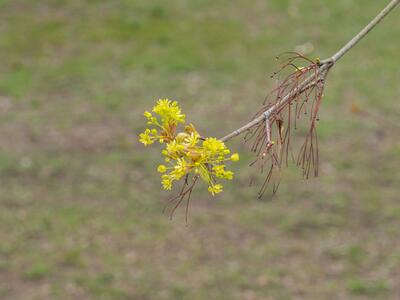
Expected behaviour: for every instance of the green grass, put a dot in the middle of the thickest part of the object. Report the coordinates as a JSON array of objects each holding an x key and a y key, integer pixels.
[{"x": 81, "y": 204}]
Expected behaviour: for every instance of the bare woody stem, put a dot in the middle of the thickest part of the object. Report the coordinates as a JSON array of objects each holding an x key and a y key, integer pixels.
[
  {"x": 325, "y": 66},
  {"x": 365, "y": 31}
]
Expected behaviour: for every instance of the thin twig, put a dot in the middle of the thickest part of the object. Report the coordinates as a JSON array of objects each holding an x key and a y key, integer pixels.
[{"x": 364, "y": 32}]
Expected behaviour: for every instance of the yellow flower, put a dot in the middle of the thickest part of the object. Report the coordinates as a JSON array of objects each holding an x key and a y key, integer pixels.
[
  {"x": 215, "y": 189},
  {"x": 169, "y": 112},
  {"x": 228, "y": 175},
  {"x": 193, "y": 139},
  {"x": 173, "y": 148},
  {"x": 220, "y": 172},
  {"x": 214, "y": 150},
  {"x": 145, "y": 138},
  {"x": 214, "y": 146},
  {"x": 162, "y": 169},
  {"x": 235, "y": 157},
  {"x": 180, "y": 169},
  {"x": 151, "y": 120},
  {"x": 166, "y": 182}
]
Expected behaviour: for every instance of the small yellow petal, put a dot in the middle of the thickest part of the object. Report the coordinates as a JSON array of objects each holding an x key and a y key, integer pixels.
[
  {"x": 235, "y": 157},
  {"x": 162, "y": 169},
  {"x": 215, "y": 189}
]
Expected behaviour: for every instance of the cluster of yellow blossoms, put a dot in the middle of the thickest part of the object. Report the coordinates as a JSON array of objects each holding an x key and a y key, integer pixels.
[{"x": 185, "y": 152}]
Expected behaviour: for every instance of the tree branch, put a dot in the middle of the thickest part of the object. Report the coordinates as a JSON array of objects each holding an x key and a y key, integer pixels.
[{"x": 324, "y": 67}]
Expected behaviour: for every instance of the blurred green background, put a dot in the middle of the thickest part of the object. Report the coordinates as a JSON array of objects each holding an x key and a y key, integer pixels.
[{"x": 81, "y": 204}]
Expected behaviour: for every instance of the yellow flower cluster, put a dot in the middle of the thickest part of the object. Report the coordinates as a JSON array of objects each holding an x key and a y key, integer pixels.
[
  {"x": 170, "y": 116},
  {"x": 185, "y": 152}
]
